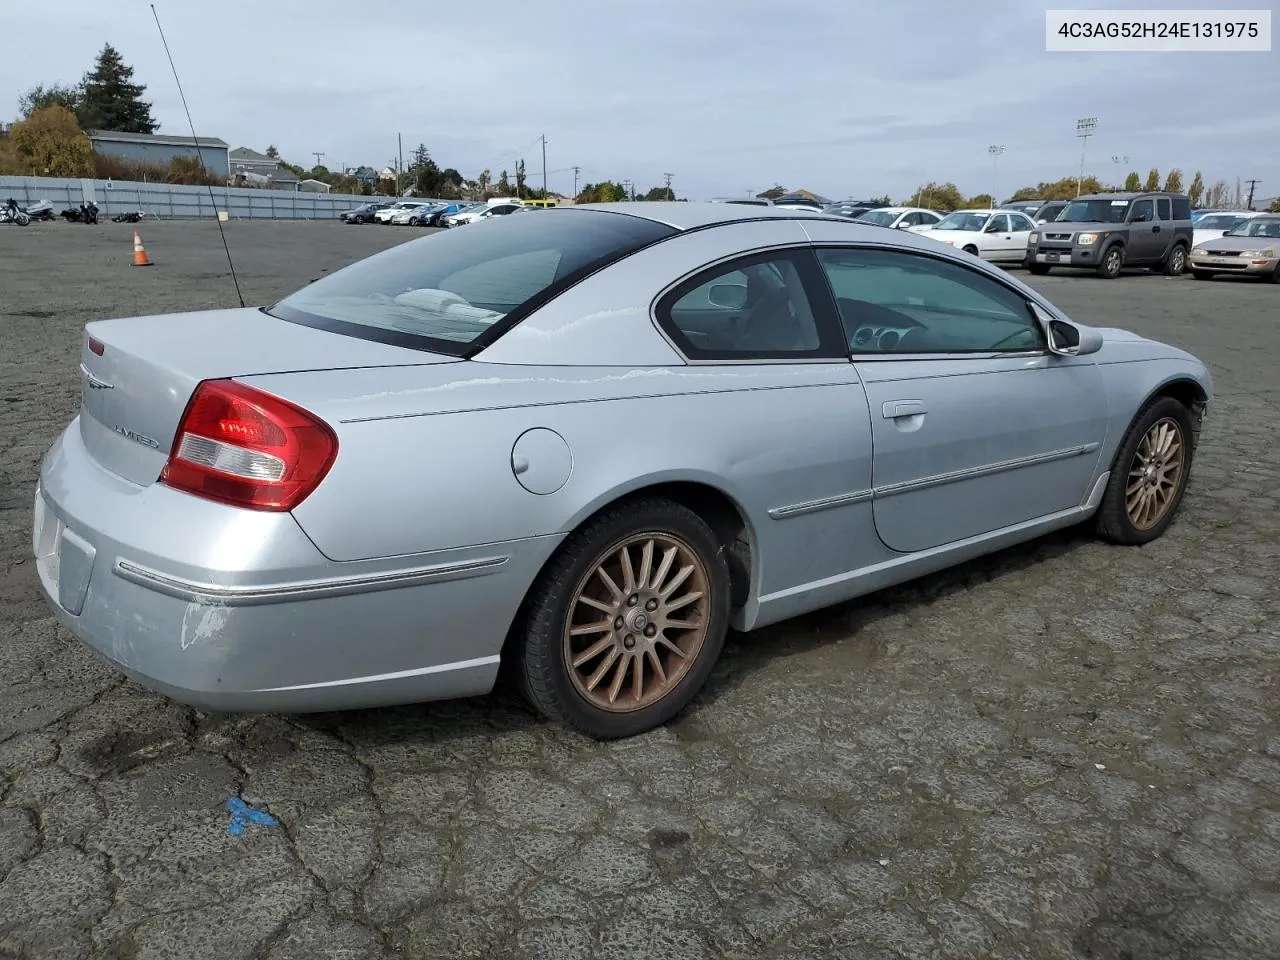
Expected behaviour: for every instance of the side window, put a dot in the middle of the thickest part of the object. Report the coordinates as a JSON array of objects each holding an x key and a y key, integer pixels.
[
  {"x": 1181, "y": 208},
  {"x": 929, "y": 218},
  {"x": 913, "y": 219},
  {"x": 999, "y": 224},
  {"x": 1142, "y": 211},
  {"x": 898, "y": 303},
  {"x": 755, "y": 308},
  {"x": 1164, "y": 208},
  {"x": 1020, "y": 223}
]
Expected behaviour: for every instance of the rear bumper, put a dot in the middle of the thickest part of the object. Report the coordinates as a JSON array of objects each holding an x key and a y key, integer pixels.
[{"x": 233, "y": 610}]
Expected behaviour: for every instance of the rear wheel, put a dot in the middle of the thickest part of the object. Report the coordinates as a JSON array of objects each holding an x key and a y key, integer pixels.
[
  {"x": 1039, "y": 269},
  {"x": 1149, "y": 475},
  {"x": 1111, "y": 262},
  {"x": 1176, "y": 262},
  {"x": 1202, "y": 274},
  {"x": 624, "y": 626}
]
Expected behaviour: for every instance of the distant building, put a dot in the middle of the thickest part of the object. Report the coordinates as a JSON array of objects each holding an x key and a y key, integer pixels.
[
  {"x": 313, "y": 186},
  {"x": 161, "y": 150},
  {"x": 366, "y": 176},
  {"x": 252, "y": 169}
]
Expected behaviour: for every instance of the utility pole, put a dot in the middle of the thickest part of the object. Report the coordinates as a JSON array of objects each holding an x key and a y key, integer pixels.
[
  {"x": 544, "y": 166},
  {"x": 670, "y": 195},
  {"x": 576, "y": 171},
  {"x": 1252, "y": 184},
  {"x": 318, "y": 156},
  {"x": 1084, "y": 129},
  {"x": 399, "y": 163},
  {"x": 995, "y": 150},
  {"x": 631, "y": 194}
]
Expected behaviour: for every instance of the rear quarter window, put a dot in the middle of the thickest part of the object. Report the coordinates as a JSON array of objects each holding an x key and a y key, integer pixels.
[{"x": 1181, "y": 208}]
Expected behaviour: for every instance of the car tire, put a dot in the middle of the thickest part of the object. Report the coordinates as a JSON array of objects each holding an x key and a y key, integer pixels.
[
  {"x": 1202, "y": 274},
  {"x": 1111, "y": 263},
  {"x": 595, "y": 692},
  {"x": 1274, "y": 275},
  {"x": 1139, "y": 505},
  {"x": 1039, "y": 269},
  {"x": 1176, "y": 262}
]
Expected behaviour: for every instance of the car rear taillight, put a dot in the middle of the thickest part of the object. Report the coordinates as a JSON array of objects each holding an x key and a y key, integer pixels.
[{"x": 248, "y": 448}]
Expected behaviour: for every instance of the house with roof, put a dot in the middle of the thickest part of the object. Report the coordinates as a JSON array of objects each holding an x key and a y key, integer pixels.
[
  {"x": 161, "y": 149},
  {"x": 249, "y": 168}
]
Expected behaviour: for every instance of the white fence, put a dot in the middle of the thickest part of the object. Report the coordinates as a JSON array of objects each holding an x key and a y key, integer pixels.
[{"x": 166, "y": 200}]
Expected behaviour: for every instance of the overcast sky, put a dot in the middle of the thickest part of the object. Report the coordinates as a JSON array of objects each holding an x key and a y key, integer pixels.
[{"x": 843, "y": 97}]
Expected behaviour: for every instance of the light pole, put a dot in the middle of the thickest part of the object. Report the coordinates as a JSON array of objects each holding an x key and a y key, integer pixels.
[
  {"x": 995, "y": 150},
  {"x": 1084, "y": 130},
  {"x": 1121, "y": 163}
]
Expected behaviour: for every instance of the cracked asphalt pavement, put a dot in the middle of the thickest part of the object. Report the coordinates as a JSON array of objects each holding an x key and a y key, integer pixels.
[{"x": 1067, "y": 750}]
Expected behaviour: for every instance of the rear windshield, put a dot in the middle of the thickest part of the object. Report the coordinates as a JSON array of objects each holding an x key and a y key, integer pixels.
[
  {"x": 446, "y": 291},
  {"x": 882, "y": 218}
]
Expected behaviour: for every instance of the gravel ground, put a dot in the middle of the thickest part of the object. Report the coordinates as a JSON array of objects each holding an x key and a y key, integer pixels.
[{"x": 1064, "y": 751}]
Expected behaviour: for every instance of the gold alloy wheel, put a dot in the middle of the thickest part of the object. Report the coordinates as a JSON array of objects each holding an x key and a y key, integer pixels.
[
  {"x": 638, "y": 622},
  {"x": 1155, "y": 474}
]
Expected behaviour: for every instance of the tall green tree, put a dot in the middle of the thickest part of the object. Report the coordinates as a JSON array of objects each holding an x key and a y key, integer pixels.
[
  {"x": 54, "y": 95},
  {"x": 1173, "y": 182},
  {"x": 1133, "y": 182},
  {"x": 521, "y": 192},
  {"x": 272, "y": 152},
  {"x": 50, "y": 143},
  {"x": 504, "y": 184},
  {"x": 1153, "y": 180},
  {"x": 110, "y": 100},
  {"x": 1196, "y": 190}
]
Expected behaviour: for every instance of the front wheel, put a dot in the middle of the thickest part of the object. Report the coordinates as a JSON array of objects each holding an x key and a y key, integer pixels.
[
  {"x": 1176, "y": 261},
  {"x": 627, "y": 621},
  {"x": 1202, "y": 274},
  {"x": 1111, "y": 262},
  {"x": 1149, "y": 475},
  {"x": 971, "y": 249},
  {"x": 1039, "y": 269}
]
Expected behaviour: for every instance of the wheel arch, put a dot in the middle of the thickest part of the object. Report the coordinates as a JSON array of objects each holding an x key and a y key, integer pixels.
[
  {"x": 1190, "y": 394},
  {"x": 725, "y": 514}
]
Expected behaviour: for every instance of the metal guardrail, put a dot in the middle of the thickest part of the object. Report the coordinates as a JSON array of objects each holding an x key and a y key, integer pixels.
[{"x": 177, "y": 201}]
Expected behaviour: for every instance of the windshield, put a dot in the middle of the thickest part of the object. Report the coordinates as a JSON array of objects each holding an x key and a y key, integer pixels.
[
  {"x": 1094, "y": 211},
  {"x": 1256, "y": 227},
  {"x": 443, "y": 292},
  {"x": 1219, "y": 221},
  {"x": 963, "y": 220},
  {"x": 881, "y": 218}
]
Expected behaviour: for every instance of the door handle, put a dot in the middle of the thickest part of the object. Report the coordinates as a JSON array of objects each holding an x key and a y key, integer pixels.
[
  {"x": 893, "y": 409},
  {"x": 1156, "y": 228}
]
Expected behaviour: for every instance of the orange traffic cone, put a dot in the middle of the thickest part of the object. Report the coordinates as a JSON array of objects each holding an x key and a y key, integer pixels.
[{"x": 140, "y": 258}]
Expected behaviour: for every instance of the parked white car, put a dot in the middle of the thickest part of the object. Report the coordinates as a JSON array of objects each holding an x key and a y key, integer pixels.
[
  {"x": 492, "y": 208},
  {"x": 1000, "y": 236},
  {"x": 1216, "y": 224},
  {"x": 901, "y": 218},
  {"x": 384, "y": 215}
]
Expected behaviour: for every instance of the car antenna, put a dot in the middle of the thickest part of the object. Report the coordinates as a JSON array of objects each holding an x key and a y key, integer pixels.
[{"x": 196, "y": 143}]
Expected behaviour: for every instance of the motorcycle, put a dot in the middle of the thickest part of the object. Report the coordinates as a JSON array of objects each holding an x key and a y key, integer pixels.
[
  {"x": 39, "y": 211},
  {"x": 131, "y": 217},
  {"x": 12, "y": 213},
  {"x": 88, "y": 213}
]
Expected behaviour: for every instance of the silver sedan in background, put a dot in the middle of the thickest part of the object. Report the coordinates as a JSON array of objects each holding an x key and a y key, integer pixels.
[
  {"x": 582, "y": 445},
  {"x": 1251, "y": 248}
]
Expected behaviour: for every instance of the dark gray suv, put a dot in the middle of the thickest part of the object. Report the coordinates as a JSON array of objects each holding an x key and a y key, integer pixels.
[{"x": 1106, "y": 232}]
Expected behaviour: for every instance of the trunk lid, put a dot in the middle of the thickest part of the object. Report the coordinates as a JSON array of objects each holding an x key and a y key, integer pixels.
[{"x": 134, "y": 392}]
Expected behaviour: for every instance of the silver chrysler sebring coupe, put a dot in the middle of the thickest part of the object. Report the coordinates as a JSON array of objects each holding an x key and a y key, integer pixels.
[{"x": 580, "y": 446}]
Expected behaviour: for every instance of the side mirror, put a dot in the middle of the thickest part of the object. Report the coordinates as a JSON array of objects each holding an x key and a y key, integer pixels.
[
  {"x": 731, "y": 296},
  {"x": 1069, "y": 339},
  {"x": 903, "y": 225}
]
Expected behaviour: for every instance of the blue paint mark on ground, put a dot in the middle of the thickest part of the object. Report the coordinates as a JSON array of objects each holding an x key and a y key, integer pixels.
[{"x": 242, "y": 815}]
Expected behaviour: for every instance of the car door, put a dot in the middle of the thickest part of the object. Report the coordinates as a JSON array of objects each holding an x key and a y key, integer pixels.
[
  {"x": 996, "y": 238},
  {"x": 1145, "y": 242},
  {"x": 1020, "y": 227},
  {"x": 976, "y": 426}
]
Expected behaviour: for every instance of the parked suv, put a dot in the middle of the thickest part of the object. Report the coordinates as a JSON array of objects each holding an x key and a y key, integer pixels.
[{"x": 1106, "y": 232}]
